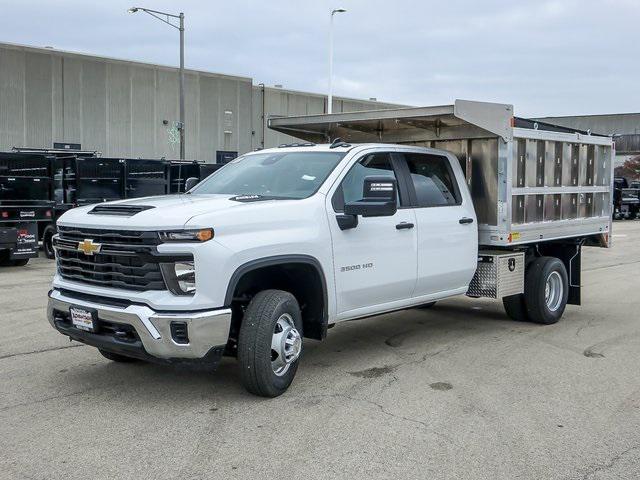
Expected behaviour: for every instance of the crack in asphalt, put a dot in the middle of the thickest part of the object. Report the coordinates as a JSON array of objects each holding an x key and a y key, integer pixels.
[
  {"x": 610, "y": 464},
  {"x": 386, "y": 412},
  {"x": 47, "y": 399},
  {"x": 43, "y": 350}
]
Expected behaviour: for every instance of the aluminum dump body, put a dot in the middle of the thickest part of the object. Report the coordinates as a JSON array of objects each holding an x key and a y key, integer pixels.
[{"x": 529, "y": 181}]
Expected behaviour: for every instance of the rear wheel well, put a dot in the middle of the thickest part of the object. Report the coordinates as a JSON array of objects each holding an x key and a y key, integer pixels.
[{"x": 303, "y": 279}]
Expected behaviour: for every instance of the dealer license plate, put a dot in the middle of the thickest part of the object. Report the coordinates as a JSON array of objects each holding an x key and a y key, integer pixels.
[{"x": 82, "y": 319}]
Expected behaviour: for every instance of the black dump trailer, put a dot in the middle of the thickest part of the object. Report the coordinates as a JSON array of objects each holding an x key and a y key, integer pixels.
[
  {"x": 39, "y": 185},
  {"x": 181, "y": 171},
  {"x": 26, "y": 192},
  {"x": 626, "y": 199},
  {"x": 145, "y": 177}
]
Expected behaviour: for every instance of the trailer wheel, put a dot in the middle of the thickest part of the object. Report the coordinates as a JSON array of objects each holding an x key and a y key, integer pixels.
[
  {"x": 5, "y": 261},
  {"x": 546, "y": 289},
  {"x": 515, "y": 308},
  {"x": 270, "y": 343},
  {"x": 115, "y": 357},
  {"x": 47, "y": 242}
]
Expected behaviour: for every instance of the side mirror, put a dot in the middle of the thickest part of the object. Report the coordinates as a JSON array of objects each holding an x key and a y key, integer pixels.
[
  {"x": 190, "y": 183},
  {"x": 379, "y": 198}
]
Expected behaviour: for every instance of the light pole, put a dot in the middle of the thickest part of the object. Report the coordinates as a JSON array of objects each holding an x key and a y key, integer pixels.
[
  {"x": 180, "y": 28},
  {"x": 330, "y": 98}
]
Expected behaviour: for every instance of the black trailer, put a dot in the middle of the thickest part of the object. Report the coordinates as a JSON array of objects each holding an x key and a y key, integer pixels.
[
  {"x": 46, "y": 183},
  {"x": 626, "y": 199},
  {"x": 181, "y": 171},
  {"x": 25, "y": 202}
]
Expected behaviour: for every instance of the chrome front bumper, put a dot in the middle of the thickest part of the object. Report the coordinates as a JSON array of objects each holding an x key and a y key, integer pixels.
[{"x": 208, "y": 330}]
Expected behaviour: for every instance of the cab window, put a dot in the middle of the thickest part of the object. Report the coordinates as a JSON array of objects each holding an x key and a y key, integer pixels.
[
  {"x": 433, "y": 180},
  {"x": 350, "y": 190}
]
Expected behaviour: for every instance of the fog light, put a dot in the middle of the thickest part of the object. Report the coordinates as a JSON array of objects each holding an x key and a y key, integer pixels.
[{"x": 180, "y": 277}]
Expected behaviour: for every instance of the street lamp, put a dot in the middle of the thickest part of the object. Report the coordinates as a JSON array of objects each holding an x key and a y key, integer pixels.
[
  {"x": 330, "y": 99},
  {"x": 180, "y": 28}
]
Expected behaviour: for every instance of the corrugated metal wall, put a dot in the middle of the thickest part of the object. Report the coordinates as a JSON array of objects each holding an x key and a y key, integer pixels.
[
  {"x": 280, "y": 102},
  {"x": 118, "y": 107}
]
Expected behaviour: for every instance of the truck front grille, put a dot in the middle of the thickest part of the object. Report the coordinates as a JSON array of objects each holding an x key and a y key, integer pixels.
[{"x": 120, "y": 259}]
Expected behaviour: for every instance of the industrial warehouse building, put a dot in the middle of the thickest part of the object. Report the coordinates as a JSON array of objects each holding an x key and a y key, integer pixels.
[
  {"x": 625, "y": 128},
  {"x": 129, "y": 109}
]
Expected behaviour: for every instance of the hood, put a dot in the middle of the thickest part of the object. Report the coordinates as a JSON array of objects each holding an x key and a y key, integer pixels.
[{"x": 161, "y": 212}]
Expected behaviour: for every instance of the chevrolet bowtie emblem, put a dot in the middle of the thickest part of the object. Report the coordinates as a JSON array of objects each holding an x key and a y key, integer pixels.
[{"x": 88, "y": 247}]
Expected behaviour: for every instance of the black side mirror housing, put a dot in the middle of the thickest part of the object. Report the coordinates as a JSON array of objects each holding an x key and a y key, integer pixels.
[
  {"x": 190, "y": 183},
  {"x": 379, "y": 198}
]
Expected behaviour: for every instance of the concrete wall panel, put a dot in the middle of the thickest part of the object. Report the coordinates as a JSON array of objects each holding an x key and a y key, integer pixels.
[
  {"x": 94, "y": 107},
  {"x": 57, "y": 101},
  {"x": 209, "y": 118},
  {"x": 12, "y": 72},
  {"x": 71, "y": 100},
  {"x": 38, "y": 99},
  {"x": 143, "y": 116},
  {"x": 166, "y": 109},
  {"x": 118, "y": 110},
  {"x": 192, "y": 113}
]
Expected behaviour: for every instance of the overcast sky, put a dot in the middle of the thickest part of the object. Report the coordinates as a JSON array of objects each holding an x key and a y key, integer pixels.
[{"x": 547, "y": 57}]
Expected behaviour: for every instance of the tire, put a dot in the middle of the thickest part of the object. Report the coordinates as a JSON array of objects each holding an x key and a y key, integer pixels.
[
  {"x": 6, "y": 262},
  {"x": 543, "y": 307},
  {"x": 515, "y": 308},
  {"x": 115, "y": 357},
  {"x": 426, "y": 306},
  {"x": 47, "y": 242},
  {"x": 264, "y": 371}
]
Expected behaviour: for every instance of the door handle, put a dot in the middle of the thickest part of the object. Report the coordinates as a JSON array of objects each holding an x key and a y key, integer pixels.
[
  {"x": 404, "y": 226},
  {"x": 465, "y": 220}
]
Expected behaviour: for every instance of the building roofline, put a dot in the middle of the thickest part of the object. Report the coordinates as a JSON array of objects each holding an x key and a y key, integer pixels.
[
  {"x": 323, "y": 95},
  {"x": 89, "y": 56},
  {"x": 588, "y": 115}
]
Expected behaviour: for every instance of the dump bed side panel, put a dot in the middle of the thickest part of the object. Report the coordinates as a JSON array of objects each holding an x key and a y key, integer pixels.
[
  {"x": 560, "y": 186},
  {"x": 528, "y": 184}
]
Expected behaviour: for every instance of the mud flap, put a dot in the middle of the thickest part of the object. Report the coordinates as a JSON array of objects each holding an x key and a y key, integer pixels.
[{"x": 26, "y": 245}]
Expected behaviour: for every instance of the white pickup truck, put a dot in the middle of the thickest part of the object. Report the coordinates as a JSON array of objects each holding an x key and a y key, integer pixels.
[{"x": 280, "y": 244}]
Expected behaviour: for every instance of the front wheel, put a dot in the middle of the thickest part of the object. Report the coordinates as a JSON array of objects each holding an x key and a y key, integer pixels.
[{"x": 270, "y": 343}]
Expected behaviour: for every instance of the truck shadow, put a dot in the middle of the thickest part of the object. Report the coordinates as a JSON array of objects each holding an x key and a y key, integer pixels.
[{"x": 410, "y": 333}]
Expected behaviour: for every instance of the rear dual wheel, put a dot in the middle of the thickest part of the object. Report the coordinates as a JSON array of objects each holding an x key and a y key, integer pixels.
[{"x": 546, "y": 290}]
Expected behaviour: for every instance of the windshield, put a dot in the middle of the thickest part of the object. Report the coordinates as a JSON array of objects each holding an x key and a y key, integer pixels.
[{"x": 281, "y": 175}]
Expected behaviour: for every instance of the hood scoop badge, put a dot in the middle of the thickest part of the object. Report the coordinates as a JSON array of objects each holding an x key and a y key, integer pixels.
[{"x": 119, "y": 210}]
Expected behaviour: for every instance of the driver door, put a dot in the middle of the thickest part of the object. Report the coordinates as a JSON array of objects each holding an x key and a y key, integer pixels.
[{"x": 375, "y": 262}]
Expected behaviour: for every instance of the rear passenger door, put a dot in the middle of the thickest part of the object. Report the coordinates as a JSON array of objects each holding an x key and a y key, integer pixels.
[{"x": 446, "y": 223}]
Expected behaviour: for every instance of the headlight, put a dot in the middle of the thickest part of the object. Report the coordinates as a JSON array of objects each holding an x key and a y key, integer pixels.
[
  {"x": 201, "y": 235},
  {"x": 180, "y": 277}
]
